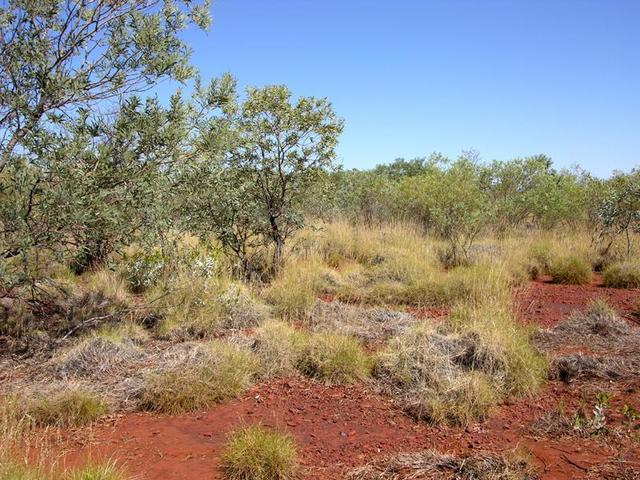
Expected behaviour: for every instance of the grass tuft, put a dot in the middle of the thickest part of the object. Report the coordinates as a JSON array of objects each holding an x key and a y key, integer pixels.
[
  {"x": 70, "y": 408},
  {"x": 456, "y": 373},
  {"x": 254, "y": 453},
  {"x": 570, "y": 270},
  {"x": 279, "y": 347},
  {"x": 336, "y": 359},
  {"x": 622, "y": 275},
  {"x": 222, "y": 372}
]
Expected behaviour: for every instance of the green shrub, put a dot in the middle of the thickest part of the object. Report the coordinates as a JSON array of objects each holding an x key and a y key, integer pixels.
[
  {"x": 256, "y": 454},
  {"x": 69, "y": 408},
  {"x": 571, "y": 270},
  {"x": 335, "y": 359},
  {"x": 622, "y": 275},
  {"x": 144, "y": 270},
  {"x": 220, "y": 373}
]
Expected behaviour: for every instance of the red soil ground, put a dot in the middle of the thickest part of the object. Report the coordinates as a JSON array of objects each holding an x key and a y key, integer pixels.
[
  {"x": 341, "y": 427},
  {"x": 545, "y": 303}
]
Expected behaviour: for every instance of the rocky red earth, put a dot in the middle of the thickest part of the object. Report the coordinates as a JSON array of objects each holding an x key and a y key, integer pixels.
[{"x": 338, "y": 428}]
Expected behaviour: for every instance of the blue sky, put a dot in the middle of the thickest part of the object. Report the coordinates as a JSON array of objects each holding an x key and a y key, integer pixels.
[{"x": 507, "y": 78}]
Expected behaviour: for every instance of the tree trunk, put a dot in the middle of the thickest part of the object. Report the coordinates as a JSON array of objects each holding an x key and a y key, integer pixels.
[{"x": 278, "y": 242}]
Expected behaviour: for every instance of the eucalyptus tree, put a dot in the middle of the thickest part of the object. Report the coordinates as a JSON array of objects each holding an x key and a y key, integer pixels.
[
  {"x": 253, "y": 183},
  {"x": 67, "y": 167},
  {"x": 59, "y": 55}
]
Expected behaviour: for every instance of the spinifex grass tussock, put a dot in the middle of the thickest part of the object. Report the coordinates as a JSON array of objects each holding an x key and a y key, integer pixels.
[
  {"x": 219, "y": 372},
  {"x": 622, "y": 275},
  {"x": 254, "y": 453},
  {"x": 196, "y": 307},
  {"x": 294, "y": 292},
  {"x": 456, "y": 372},
  {"x": 279, "y": 347},
  {"x": 334, "y": 359},
  {"x": 570, "y": 270},
  {"x": 67, "y": 408}
]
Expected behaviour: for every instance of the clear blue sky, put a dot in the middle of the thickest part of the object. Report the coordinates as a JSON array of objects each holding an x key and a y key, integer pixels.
[{"x": 507, "y": 78}]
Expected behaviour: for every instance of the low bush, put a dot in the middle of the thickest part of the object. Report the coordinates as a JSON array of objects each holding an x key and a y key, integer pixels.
[
  {"x": 622, "y": 275},
  {"x": 144, "y": 270},
  {"x": 570, "y": 270},
  {"x": 335, "y": 359},
  {"x": 220, "y": 372},
  {"x": 70, "y": 408},
  {"x": 254, "y": 453}
]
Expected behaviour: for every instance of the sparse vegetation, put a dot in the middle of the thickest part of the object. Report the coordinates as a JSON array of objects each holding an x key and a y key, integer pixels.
[
  {"x": 169, "y": 252},
  {"x": 431, "y": 464},
  {"x": 254, "y": 453}
]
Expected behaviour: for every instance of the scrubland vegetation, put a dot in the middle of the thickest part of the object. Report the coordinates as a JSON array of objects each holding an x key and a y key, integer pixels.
[{"x": 167, "y": 258}]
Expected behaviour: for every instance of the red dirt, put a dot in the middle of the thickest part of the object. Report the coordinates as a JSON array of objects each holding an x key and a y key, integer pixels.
[
  {"x": 337, "y": 428},
  {"x": 545, "y": 303}
]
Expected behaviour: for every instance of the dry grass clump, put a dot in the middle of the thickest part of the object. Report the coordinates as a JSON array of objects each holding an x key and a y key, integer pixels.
[
  {"x": 254, "y": 453},
  {"x": 598, "y": 327},
  {"x": 367, "y": 324},
  {"x": 279, "y": 347},
  {"x": 10, "y": 469},
  {"x": 428, "y": 287},
  {"x": 334, "y": 359},
  {"x": 614, "y": 345},
  {"x": 500, "y": 334},
  {"x": 622, "y": 275},
  {"x": 216, "y": 373},
  {"x": 340, "y": 244},
  {"x": 68, "y": 408},
  {"x": 580, "y": 366},
  {"x": 103, "y": 352},
  {"x": 570, "y": 270},
  {"x": 431, "y": 374},
  {"x": 539, "y": 259},
  {"x": 293, "y": 293},
  {"x": 457, "y": 373},
  {"x": 110, "y": 283},
  {"x": 96, "y": 471},
  {"x": 431, "y": 465},
  {"x": 194, "y": 307}
]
